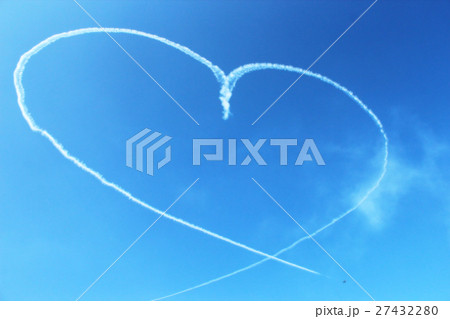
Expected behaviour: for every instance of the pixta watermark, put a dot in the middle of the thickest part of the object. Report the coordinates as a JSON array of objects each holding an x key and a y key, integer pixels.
[{"x": 153, "y": 150}]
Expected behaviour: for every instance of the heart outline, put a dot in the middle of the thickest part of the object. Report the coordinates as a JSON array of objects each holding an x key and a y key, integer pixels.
[{"x": 228, "y": 82}]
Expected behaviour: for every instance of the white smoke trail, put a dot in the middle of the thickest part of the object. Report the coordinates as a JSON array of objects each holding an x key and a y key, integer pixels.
[
  {"x": 219, "y": 74},
  {"x": 227, "y": 85},
  {"x": 226, "y": 92}
]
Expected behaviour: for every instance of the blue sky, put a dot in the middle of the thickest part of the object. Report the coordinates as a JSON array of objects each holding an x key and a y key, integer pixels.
[{"x": 60, "y": 228}]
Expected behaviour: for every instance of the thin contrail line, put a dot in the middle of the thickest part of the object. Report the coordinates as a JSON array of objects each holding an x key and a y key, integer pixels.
[
  {"x": 135, "y": 241},
  {"x": 313, "y": 239},
  {"x": 315, "y": 61},
  {"x": 136, "y": 62},
  {"x": 18, "y": 74}
]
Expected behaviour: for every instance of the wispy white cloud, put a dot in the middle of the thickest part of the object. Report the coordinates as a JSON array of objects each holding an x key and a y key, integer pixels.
[{"x": 420, "y": 170}]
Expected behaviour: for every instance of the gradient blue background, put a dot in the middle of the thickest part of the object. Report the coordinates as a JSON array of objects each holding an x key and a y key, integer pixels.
[{"x": 60, "y": 228}]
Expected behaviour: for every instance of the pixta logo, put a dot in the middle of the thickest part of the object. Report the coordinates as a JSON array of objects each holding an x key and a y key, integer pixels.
[
  {"x": 308, "y": 148},
  {"x": 148, "y": 142},
  {"x": 141, "y": 149}
]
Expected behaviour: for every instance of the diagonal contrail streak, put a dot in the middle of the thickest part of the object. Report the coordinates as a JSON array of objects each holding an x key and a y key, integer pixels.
[
  {"x": 313, "y": 239},
  {"x": 293, "y": 245},
  {"x": 135, "y": 241}
]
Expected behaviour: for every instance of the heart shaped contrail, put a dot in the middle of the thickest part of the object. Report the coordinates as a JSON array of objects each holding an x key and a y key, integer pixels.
[
  {"x": 227, "y": 83},
  {"x": 220, "y": 75}
]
